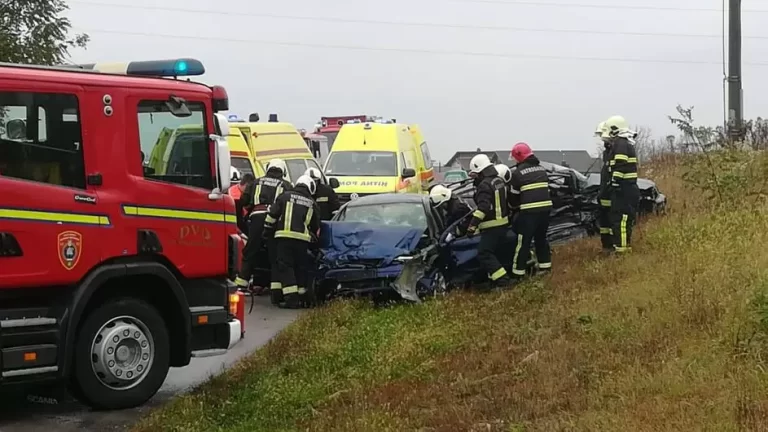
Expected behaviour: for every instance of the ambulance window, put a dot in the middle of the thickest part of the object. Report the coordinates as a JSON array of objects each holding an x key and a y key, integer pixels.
[
  {"x": 177, "y": 147},
  {"x": 296, "y": 168},
  {"x": 48, "y": 152},
  {"x": 425, "y": 154}
]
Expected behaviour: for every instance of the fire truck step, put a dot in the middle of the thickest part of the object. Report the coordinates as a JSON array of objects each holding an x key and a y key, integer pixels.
[
  {"x": 27, "y": 322},
  {"x": 30, "y": 371},
  {"x": 209, "y": 353}
]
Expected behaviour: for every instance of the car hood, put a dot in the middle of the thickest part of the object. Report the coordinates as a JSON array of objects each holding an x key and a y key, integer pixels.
[{"x": 361, "y": 243}]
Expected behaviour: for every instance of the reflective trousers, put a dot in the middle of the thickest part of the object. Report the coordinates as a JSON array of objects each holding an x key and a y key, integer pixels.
[
  {"x": 531, "y": 227},
  {"x": 252, "y": 248},
  {"x": 624, "y": 202},
  {"x": 604, "y": 219},
  {"x": 491, "y": 242},
  {"x": 291, "y": 270}
]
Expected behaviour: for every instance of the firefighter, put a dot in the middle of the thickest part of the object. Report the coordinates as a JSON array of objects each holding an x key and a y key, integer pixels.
[
  {"x": 491, "y": 217},
  {"x": 604, "y": 211},
  {"x": 624, "y": 192},
  {"x": 325, "y": 197},
  {"x": 529, "y": 189},
  {"x": 504, "y": 172},
  {"x": 256, "y": 200},
  {"x": 236, "y": 192},
  {"x": 293, "y": 220},
  {"x": 452, "y": 208}
]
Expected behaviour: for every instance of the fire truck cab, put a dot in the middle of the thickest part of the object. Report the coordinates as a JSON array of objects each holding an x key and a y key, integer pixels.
[{"x": 110, "y": 272}]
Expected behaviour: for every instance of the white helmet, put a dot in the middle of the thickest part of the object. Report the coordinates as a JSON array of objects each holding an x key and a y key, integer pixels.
[
  {"x": 600, "y": 130},
  {"x": 479, "y": 163},
  {"x": 616, "y": 125},
  {"x": 279, "y": 163},
  {"x": 314, "y": 174},
  {"x": 308, "y": 182},
  {"x": 439, "y": 194},
  {"x": 504, "y": 172},
  {"x": 234, "y": 174}
]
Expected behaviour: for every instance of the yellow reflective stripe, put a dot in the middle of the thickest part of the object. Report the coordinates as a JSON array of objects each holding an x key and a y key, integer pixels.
[
  {"x": 605, "y": 203},
  {"x": 288, "y": 216},
  {"x": 292, "y": 235},
  {"x": 257, "y": 194},
  {"x": 293, "y": 289},
  {"x": 606, "y": 231},
  {"x": 531, "y": 186},
  {"x": 498, "y": 274},
  {"x": 478, "y": 214},
  {"x": 518, "y": 246},
  {"x": 302, "y": 291},
  {"x": 621, "y": 175},
  {"x": 307, "y": 220},
  {"x": 178, "y": 214},
  {"x": 270, "y": 220},
  {"x": 241, "y": 282},
  {"x": 622, "y": 249},
  {"x": 322, "y": 199},
  {"x": 493, "y": 223},
  {"x": 278, "y": 191},
  {"x": 276, "y": 286},
  {"x": 46, "y": 216},
  {"x": 498, "y": 204},
  {"x": 623, "y": 231},
  {"x": 545, "y": 265},
  {"x": 537, "y": 204},
  {"x": 625, "y": 158}
]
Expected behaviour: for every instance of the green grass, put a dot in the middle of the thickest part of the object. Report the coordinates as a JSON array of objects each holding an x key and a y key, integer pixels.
[{"x": 673, "y": 337}]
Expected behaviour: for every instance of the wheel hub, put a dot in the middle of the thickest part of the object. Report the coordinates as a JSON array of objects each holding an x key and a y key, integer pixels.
[{"x": 122, "y": 353}]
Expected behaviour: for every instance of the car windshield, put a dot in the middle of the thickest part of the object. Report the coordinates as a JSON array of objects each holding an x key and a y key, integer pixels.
[
  {"x": 393, "y": 214},
  {"x": 455, "y": 176},
  {"x": 243, "y": 165},
  {"x": 362, "y": 163}
]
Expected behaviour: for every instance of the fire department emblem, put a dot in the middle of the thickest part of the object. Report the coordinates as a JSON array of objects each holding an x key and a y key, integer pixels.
[
  {"x": 70, "y": 248},
  {"x": 353, "y": 196}
]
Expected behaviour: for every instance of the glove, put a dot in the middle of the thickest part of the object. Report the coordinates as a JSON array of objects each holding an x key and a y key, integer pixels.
[{"x": 471, "y": 231}]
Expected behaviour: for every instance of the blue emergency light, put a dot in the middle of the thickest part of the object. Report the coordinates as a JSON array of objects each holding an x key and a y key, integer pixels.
[{"x": 155, "y": 68}]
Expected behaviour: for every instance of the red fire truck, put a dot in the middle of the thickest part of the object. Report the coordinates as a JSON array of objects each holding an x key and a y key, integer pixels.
[
  {"x": 110, "y": 272},
  {"x": 330, "y": 126}
]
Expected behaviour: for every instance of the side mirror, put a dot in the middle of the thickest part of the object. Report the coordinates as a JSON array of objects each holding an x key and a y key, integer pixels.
[
  {"x": 408, "y": 173},
  {"x": 222, "y": 125},
  {"x": 334, "y": 182},
  {"x": 224, "y": 162}
]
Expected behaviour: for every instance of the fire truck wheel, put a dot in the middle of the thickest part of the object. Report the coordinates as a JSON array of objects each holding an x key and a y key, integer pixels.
[{"x": 122, "y": 355}]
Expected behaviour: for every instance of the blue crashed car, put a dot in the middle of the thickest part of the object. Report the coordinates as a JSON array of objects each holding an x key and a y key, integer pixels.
[{"x": 392, "y": 247}]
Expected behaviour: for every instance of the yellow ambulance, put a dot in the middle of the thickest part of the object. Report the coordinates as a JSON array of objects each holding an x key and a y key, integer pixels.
[
  {"x": 424, "y": 170},
  {"x": 272, "y": 140},
  {"x": 373, "y": 158}
]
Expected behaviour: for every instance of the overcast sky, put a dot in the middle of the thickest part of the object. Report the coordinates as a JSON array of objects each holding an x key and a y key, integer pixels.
[{"x": 532, "y": 85}]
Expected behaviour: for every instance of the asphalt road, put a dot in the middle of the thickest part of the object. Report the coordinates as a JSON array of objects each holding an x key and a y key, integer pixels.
[{"x": 54, "y": 410}]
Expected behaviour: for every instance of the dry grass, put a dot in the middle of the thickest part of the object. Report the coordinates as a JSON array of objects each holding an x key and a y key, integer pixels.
[{"x": 670, "y": 338}]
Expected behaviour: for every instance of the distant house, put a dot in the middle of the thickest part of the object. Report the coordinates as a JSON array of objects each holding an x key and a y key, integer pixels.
[{"x": 580, "y": 160}]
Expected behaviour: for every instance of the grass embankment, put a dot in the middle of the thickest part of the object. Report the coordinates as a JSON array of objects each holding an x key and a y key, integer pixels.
[{"x": 673, "y": 337}]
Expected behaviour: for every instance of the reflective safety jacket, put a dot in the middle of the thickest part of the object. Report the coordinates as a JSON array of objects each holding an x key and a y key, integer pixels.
[
  {"x": 530, "y": 187},
  {"x": 294, "y": 215},
  {"x": 491, "y": 199},
  {"x": 623, "y": 163},
  {"x": 327, "y": 201},
  {"x": 605, "y": 178},
  {"x": 263, "y": 192}
]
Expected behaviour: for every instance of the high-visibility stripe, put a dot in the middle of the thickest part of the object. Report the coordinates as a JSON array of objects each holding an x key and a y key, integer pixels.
[
  {"x": 498, "y": 274},
  {"x": 493, "y": 223},
  {"x": 478, "y": 214},
  {"x": 621, "y": 175},
  {"x": 533, "y": 205},
  {"x": 545, "y": 265},
  {"x": 497, "y": 204},
  {"x": 293, "y": 289},
  {"x": 322, "y": 199},
  {"x": 165, "y": 213},
  {"x": 532, "y": 186},
  {"x": 623, "y": 231},
  {"x": 605, "y": 203},
  {"x": 518, "y": 246},
  {"x": 276, "y": 286},
  {"x": 35, "y": 215}
]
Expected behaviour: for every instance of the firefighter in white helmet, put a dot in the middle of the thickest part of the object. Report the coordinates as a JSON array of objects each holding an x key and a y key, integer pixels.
[
  {"x": 451, "y": 207},
  {"x": 491, "y": 217},
  {"x": 604, "y": 195},
  {"x": 294, "y": 222},
  {"x": 256, "y": 199},
  {"x": 623, "y": 190}
]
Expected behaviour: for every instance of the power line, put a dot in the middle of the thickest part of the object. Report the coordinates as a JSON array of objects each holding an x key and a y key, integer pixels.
[
  {"x": 408, "y": 50},
  {"x": 400, "y": 23},
  {"x": 599, "y": 6}
]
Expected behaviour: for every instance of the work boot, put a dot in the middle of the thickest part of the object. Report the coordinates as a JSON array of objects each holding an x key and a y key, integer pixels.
[
  {"x": 543, "y": 272},
  {"x": 276, "y": 293},
  {"x": 292, "y": 301},
  {"x": 501, "y": 283}
]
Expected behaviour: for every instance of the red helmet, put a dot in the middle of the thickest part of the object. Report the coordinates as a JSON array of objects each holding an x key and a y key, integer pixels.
[{"x": 521, "y": 151}]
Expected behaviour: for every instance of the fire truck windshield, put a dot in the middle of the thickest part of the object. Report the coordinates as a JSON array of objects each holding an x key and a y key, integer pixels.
[{"x": 362, "y": 163}]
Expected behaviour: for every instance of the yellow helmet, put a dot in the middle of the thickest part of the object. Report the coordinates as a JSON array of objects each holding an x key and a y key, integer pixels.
[{"x": 615, "y": 125}]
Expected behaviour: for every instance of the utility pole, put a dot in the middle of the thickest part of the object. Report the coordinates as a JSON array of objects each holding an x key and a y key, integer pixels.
[{"x": 735, "y": 99}]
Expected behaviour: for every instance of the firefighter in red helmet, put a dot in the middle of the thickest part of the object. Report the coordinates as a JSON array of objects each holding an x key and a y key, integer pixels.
[{"x": 529, "y": 188}]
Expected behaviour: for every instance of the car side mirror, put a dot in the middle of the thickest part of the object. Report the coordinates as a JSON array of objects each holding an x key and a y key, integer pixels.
[
  {"x": 334, "y": 182},
  {"x": 408, "y": 173}
]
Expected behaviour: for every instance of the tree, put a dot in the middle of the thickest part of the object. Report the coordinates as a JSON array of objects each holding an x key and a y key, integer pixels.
[{"x": 35, "y": 32}]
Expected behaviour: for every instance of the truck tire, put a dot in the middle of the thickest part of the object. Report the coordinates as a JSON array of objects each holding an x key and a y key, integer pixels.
[{"x": 121, "y": 356}]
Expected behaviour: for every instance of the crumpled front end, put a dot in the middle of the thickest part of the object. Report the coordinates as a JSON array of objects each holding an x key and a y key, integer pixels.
[{"x": 382, "y": 262}]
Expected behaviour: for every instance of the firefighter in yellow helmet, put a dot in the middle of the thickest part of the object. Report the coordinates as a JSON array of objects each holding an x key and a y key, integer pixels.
[{"x": 624, "y": 193}]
